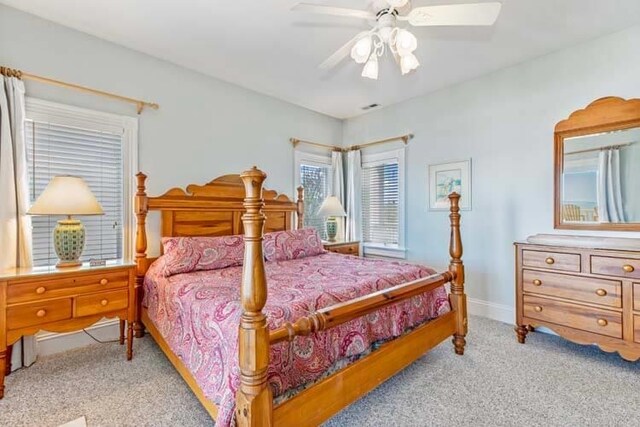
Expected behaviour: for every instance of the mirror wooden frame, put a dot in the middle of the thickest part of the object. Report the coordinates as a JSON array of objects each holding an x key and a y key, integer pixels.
[{"x": 603, "y": 115}]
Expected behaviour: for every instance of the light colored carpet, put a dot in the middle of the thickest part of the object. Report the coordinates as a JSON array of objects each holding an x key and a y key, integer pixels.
[{"x": 547, "y": 382}]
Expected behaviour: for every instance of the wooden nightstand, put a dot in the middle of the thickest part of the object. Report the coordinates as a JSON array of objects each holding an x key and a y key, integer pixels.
[
  {"x": 63, "y": 300},
  {"x": 347, "y": 248}
]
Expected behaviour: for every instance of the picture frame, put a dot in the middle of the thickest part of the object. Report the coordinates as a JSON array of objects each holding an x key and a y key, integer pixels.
[{"x": 446, "y": 178}]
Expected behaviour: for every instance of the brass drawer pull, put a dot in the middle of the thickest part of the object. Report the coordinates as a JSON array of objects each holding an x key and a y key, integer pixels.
[
  {"x": 537, "y": 308},
  {"x": 41, "y": 290},
  {"x": 104, "y": 302},
  {"x": 628, "y": 268},
  {"x": 537, "y": 282},
  {"x": 104, "y": 281},
  {"x": 41, "y": 313},
  {"x": 550, "y": 260},
  {"x": 601, "y": 292},
  {"x": 602, "y": 322}
]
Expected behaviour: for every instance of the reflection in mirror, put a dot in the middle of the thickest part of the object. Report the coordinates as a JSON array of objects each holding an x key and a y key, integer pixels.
[{"x": 601, "y": 178}]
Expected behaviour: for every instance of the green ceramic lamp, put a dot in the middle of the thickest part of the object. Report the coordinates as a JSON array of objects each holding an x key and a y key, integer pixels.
[
  {"x": 331, "y": 208},
  {"x": 67, "y": 195}
]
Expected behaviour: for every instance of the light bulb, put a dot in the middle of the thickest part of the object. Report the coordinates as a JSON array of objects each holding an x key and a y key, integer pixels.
[
  {"x": 361, "y": 50},
  {"x": 397, "y": 3},
  {"x": 370, "y": 69},
  {"x": 408, "y": 63},
  {"x": 405, "y": 42}
]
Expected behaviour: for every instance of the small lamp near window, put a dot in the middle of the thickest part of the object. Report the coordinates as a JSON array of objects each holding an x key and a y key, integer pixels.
[
  {"x": 331, "y": 208},
  {"x": 67, "y": 195}
]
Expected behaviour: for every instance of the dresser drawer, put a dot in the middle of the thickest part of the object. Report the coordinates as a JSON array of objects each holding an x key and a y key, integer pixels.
[
  {"x": 87, "y": 305},
  {"x": 35, "y": 290},
  {"x": 551, "y": 260},
  {"x": 578, "y": 288},
  {"x": 599, "y": 321},
  {"x": 612, "y": 266},
  {"x": 21, "y": 316}
]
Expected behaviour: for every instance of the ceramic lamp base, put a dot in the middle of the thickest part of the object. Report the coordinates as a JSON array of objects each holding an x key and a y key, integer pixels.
[
  {"x": 332, "y": 229},
  {"x": 68, "y": 239}
]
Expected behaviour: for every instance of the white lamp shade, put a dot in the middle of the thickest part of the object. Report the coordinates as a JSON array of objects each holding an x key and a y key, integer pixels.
[
  {"x": 370, "y": 69},
  {"x": 408, "y": 63},
  {"x": 66, "y": 195},
  {"x": 331, "y": 207},
  {"x": 405, "y": 42},
  {"x": 361, "y": 50}
]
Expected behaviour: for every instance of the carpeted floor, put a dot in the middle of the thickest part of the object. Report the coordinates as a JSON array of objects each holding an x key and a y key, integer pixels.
[{"x": 547, "y": 382}]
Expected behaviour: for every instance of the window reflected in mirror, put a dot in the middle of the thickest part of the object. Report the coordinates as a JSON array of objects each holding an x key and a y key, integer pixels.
[{"x": 601, "y": 178}]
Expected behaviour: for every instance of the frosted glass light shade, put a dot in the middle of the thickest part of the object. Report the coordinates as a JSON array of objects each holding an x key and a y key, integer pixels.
[
  {"x": 408, "y": 63},
  {"x": 370, "y": 69},
  {"x": 66, "y": 195},
  {"x": 331, "y": 207},
  {"x": 361, "y": 50},
  {"x": 405, "y": 42}
]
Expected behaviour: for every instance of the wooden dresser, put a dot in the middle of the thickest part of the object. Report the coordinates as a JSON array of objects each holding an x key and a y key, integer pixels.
[
  {"x": 589, "y": 296},
  {"x": 63, "y": 300},
  {"x": 347, "y": 248}
]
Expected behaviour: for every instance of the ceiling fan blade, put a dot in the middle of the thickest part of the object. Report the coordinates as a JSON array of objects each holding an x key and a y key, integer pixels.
[
  {"x": 454, "y": 14},
  {"x": 330, "y": 10},
  {"x": 343, "y": 52}
]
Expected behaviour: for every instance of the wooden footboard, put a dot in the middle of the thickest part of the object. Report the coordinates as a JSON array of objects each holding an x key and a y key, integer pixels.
[{"x": 218, "y": 209}]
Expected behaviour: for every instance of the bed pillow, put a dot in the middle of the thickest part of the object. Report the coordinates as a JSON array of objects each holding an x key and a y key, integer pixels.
[
  {"x": 292, "y": 244},
  {"x": 185, "y": 254}
]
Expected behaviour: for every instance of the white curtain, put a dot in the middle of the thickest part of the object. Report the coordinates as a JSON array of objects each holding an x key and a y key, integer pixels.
[
  {"x": 337, "y": 185},
  {"x": 609, "y": 186},
  {"x": 354, "y": 191},
  {"x": 15, "y": 225}
]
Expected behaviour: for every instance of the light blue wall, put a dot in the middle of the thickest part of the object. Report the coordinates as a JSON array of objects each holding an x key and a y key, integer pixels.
[
  {"x": 504, "y": 122},
  {"x": 204, "y": 127}
]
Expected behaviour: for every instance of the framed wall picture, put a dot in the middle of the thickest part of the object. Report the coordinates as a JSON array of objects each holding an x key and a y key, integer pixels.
[{"x": 446, "y": 178}]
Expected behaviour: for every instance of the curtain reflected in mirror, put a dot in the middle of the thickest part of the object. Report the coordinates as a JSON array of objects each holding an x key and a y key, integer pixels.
[{"x": 601, "y": 178}]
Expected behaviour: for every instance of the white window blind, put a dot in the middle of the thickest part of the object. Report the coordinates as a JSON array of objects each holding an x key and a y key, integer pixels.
[
  {"x": 94, "y": 155},
  {"x": 315, "y": 180},
  {"x": 380, "y": 203}
]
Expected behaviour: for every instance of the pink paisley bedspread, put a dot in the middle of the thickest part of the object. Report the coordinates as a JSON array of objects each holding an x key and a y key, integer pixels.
[{"x": 198, "y": 315}]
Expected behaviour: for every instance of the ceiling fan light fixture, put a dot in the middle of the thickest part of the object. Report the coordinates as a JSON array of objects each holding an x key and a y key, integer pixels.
[
  {"x": 408, "y": 63},
  {"x": 405, "y": 42},
  {"x": 361, "y": 50},
  {"x": 370, "y": 69},
  {"x": 397, "y": 3}
]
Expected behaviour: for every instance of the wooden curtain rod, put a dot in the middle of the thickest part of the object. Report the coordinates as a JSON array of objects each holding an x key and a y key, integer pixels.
[
  {"x": 140, "y": 105},
  {"x": 404, "y": 138},
  {"x": 608, "y": 147}
]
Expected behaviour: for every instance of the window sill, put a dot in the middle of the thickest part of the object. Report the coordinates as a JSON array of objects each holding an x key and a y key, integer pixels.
[{"x": 384, "y": 251}]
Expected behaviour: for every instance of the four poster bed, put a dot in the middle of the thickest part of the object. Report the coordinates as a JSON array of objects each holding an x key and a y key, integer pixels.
[{"x": 314, "y": 330}]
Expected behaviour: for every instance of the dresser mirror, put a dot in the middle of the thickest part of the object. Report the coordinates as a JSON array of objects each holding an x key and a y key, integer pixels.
[{"x": 597, "y": 167}]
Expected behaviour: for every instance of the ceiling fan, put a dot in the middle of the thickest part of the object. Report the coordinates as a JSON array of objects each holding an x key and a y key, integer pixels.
[{"x": 384, "y": 15}]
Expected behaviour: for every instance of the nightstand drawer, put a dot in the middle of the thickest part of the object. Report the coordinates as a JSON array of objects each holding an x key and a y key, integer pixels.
[
  {"x": 611, "y": 266},
  {"x": 599, "y": 321},
  {"x": 578, "y": 288},
  {"x": 21, "y": 316},
  {"x": 36, "y": 290},
  {"x": 88, "y": 305},
  {"x": 346, "y": 248}
]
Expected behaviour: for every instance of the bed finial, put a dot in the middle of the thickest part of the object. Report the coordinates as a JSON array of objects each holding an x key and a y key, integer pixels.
[
  {"x": 141, "y": 208},
  {"x": 254, "y": 400},
  {"x": 458, "y": 297},
  {"x": 300, "y": 208}
]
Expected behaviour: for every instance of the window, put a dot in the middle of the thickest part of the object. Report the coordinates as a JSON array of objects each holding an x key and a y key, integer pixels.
[
  {"x": 98, "y": 147},
  {"x": 313, "y": 172},
  {"x": 383, "y": 203}
]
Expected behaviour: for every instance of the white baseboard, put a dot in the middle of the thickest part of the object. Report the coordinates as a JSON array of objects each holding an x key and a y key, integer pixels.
[
  {"x": 500, "y": 312},
  {"x": 51, "y": 342}
]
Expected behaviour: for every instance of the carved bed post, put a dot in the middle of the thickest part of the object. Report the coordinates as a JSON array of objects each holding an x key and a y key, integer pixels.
[
  {"x": 254, "y": 401},
  {"x": 300, "y": 210},
  {"x": 458, "y": 297},
  {"x": 141, "y": 208}
]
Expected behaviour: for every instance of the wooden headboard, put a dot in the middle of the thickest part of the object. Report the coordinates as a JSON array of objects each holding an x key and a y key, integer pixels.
[{"x": 212, "y": 209}]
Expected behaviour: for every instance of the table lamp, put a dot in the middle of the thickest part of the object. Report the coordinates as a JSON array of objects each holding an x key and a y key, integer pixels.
[
  {"x": 331, "y": 208},
  {"x": 67, "y": 195}
]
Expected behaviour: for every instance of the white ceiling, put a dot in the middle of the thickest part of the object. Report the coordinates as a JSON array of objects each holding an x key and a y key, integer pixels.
[{"x": 261, "y": 45}]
